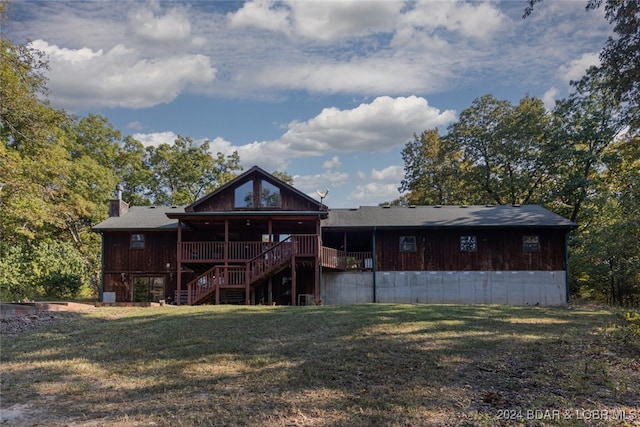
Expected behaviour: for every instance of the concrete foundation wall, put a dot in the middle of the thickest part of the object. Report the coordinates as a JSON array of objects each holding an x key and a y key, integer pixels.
[{"x": 446, "y": 287}]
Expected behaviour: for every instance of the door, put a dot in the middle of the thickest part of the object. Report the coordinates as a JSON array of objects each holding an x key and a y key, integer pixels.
[{"x": 148, "y": 288}]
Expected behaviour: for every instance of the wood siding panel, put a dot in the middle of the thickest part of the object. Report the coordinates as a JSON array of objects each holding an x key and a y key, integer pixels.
[
  {"x": 497, "y": 250},
  {"x": 121, "y": 263}
]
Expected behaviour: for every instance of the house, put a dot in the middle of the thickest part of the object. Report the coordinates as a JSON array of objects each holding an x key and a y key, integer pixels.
[{"x": 258, "y": 240}]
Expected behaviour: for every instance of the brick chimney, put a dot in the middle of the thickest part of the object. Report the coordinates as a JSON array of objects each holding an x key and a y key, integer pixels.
[{"x": 118, "y": 207}]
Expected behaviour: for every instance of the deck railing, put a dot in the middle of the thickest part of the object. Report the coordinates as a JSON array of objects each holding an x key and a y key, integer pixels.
[
  {"x": 343, "y": 260},
  {"x": 195, "y": 252},
  {"x": 216, "y": 277},
  {"x": 207, "y": 252}
]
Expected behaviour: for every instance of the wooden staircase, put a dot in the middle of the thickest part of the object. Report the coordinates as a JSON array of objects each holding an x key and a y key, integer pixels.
[{"x": 264, "y": 265}]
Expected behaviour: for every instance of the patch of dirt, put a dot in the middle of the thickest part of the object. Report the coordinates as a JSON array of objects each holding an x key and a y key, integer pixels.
[
  {"x": 18, "y": 325},
  {"x": 19, "y": 415}
]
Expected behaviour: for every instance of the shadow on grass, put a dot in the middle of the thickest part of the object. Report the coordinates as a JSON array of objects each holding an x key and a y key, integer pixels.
[{"x": 344, "y": 365}]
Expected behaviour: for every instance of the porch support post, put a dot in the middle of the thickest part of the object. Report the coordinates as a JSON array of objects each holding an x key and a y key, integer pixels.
[
  {"x": 270, "y": 291},
  {"x": 224, "y": 277},
  {"x": 225, "y": 250},
  {"x": 318, "y": 260},
  {"x": 247, "y": 288},
  {"x": 293, "y": 279},
  {"x": 179, "y": 264}
]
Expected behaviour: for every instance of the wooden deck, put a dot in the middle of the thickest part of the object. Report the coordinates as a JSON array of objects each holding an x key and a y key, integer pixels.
[{"x": 240, "y": 265}]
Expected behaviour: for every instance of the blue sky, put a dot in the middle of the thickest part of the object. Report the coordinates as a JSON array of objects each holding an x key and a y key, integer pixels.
[{"x": 327, "y": 91}]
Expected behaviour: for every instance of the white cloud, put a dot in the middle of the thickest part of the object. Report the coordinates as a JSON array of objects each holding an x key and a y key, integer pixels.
[
  {"x": 374, "y": 193},
  {"x": 368, "y": 75},
  {"x": 336, "y": 19},
  {"x": 324, "y": 21},
  {"x": 120, "y": 77},
  {"x": 173, "y": 26},
  {"x": 378, "y": 126},
  {"x": 390, "y": 173},
  {"x": 475, "y": 20},
  {"x": 220, "y": 145},
  {"x": 549, "y": 98},
  {"x": 156, "y": 138},
  {"x": 264, "y": 14},
  {"x": 326, "y": 180},
  {"x": 333, "y": 163},
  {"x": 576, "y": 68},
  {"x": 270, "y": 155},
  {"x": 381, "y": 186}
]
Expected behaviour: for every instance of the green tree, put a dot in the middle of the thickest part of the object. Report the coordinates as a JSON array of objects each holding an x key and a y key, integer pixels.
[
  {"x": 33, "y": 162},
  {"x": 504, "y": 150},
  {"x": 585, "y": 126},
  {"x": 47, "y": 269},
  {"x": 183, "y": 172},
  {"x": 620, "y": 56},
  {"x": 606, "y": 253},
  {"x": 433, "y": 171},
  {"x": 283, "y": 176}
]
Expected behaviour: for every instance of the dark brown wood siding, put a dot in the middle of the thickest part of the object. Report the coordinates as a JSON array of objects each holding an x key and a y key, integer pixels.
[
  {"x": 121, "y": 263},
  {"x": 497, "y": 250}
]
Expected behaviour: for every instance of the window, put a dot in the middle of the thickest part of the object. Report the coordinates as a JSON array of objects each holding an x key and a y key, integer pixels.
[
  {"x": 407, "y": 243},
  {"x": 269, "y": 195},
  {"x": 468, "y": 244},
  {"x": 244, "y": 195},
  {"x": 137, "y": 241},
  {"x": 531, "y": 243}
]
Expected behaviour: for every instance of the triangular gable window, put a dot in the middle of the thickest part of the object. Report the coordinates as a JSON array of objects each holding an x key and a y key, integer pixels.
[{"x": 245, "y": 195}]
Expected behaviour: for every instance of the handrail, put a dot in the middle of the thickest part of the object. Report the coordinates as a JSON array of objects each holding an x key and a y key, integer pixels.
[
  {"x": 214, "y": 278},
  {"x": 268, "y": 260},
  {"x": 280, "y": 253}
]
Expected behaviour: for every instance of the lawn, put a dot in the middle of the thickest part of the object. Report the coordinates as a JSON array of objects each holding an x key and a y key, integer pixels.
[{"x": 359, "y": 365}]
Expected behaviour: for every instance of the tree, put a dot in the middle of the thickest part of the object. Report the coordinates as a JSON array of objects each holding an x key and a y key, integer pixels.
[
  {"x": 620, "y": 55},
  {"x": 606, "y": 253},
  {"x": 504, "y": 148},
  {"x": 585, "y": 126},
  {"x": 183, "y": 172},
  {"x": 136, "y": 177},
  {"x": 283, "y": 176},
  {"x": 433, "y": 171},
  {"x": 32, "y": 162}
]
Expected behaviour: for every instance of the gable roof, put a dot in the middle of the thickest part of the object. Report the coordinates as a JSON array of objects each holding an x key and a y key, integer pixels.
[
  {"x": 142, "y": 218},
  {"x": 257, "y": 171},
  {"x": 446, "y": 216}
]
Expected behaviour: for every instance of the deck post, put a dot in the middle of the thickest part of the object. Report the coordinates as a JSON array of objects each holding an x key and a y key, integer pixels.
[
  {"x": 179, "y": 264},
  {"x": 293, "y": 279},
  {"x": 225, "y": 251},
  {"x": 318, "y": 266},
  {"x": 247, "y": 288}
]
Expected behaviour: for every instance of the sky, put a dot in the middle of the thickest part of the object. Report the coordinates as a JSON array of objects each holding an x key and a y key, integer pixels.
[{"x": 326, "y": 91}]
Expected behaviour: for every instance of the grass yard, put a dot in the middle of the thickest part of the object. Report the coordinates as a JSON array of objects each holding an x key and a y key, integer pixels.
[{"x": 362, "y": 365}]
